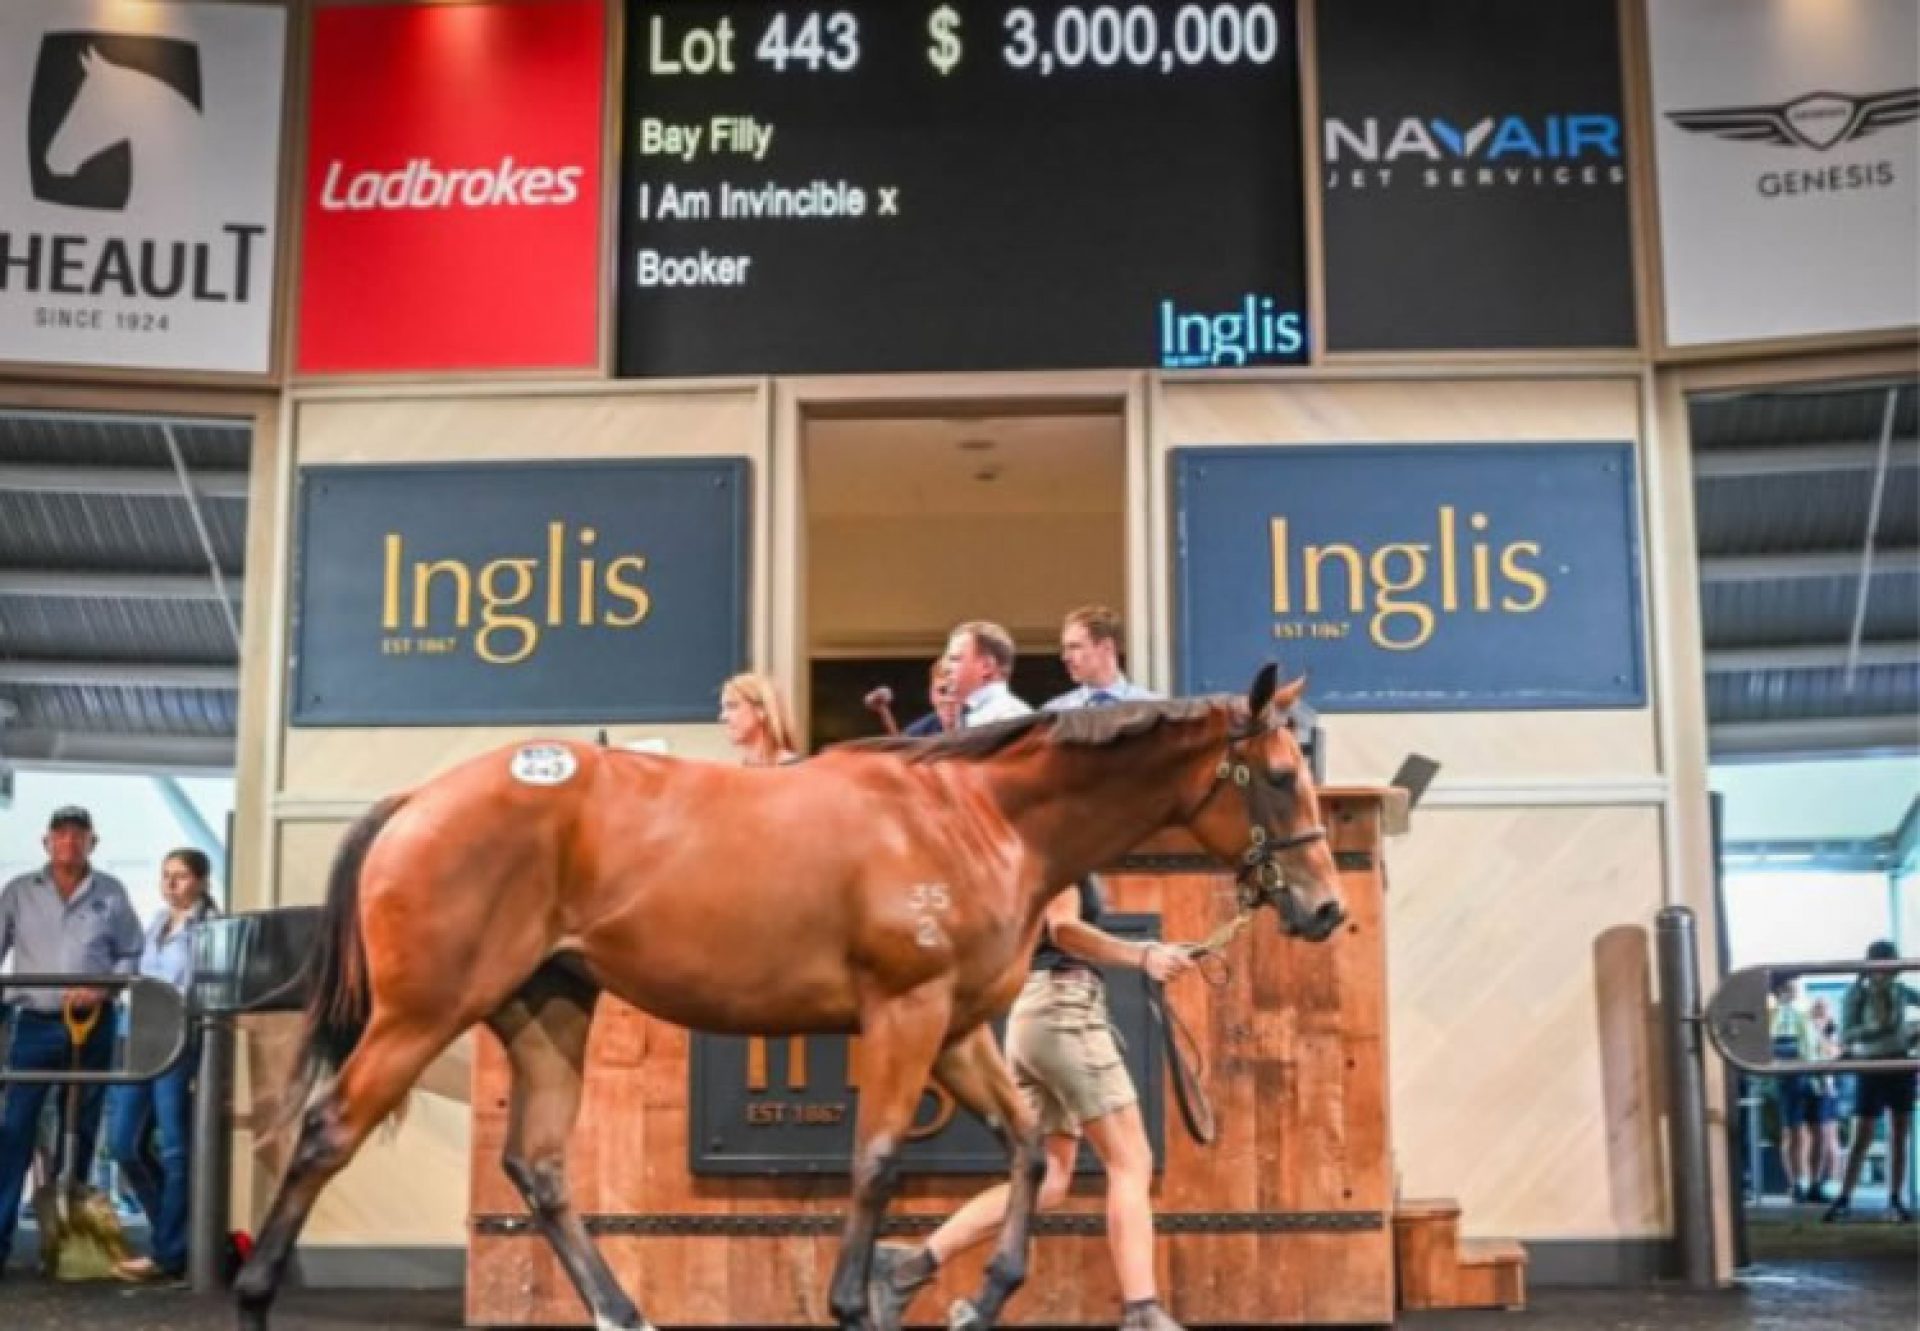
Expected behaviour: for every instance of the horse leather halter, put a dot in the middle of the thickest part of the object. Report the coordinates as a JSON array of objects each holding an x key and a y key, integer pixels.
[{"x": 1260, "y": 879}]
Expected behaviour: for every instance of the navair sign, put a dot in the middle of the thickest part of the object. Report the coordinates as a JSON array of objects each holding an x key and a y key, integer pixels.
[
  {"x": 1474, "y": 176},
  {"x": 139, "y": 157},
  {"x": 452, "y": 217}
]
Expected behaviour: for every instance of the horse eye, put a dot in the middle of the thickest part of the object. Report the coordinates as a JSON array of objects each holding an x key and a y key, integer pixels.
[{"x": 1284, "y": 779}]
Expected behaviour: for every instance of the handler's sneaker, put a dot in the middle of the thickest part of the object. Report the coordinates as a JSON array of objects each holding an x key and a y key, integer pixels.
[
  {"x": 963, "y": 1316},
  {"x": 888, "y": 1291},
  {"x": 1148, "y": 1315}
]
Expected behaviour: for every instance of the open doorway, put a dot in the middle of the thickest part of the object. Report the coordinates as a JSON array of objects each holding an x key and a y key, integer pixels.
[
  {"x": 918, "y": 520},
  {"x": 1807, "y": 508}
]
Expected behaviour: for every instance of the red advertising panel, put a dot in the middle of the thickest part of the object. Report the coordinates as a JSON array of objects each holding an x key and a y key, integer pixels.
[{"x": 452, "y": 212}]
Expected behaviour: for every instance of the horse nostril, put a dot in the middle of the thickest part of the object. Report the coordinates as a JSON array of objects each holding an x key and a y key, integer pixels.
[{"x": 1327, "y": 919}]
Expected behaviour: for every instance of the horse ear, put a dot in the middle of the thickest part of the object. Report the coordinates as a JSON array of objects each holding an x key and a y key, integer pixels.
[
  {"x": 1262, "y": 691},
  {"x": 88, "y": 58},
  {"x": 1289, "y": 694}
]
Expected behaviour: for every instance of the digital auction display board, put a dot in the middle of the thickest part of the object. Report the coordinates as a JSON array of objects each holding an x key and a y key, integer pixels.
[{"x": 879, "y": 186}]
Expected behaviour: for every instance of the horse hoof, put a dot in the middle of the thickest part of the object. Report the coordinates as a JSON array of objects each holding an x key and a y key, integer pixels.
[
  {"x": 887, "y": 1294},
  {"x": 963, "y": 1316}
]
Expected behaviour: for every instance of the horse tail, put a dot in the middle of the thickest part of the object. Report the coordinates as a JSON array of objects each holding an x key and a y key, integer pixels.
[{"x": 339, "y": 994}]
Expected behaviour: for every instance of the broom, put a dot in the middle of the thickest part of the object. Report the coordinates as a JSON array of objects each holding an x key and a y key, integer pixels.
[{"x": 80, "y": 1236}]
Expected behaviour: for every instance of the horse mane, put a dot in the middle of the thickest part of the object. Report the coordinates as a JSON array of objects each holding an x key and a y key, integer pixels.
[{"x": 1088, "y": 726}]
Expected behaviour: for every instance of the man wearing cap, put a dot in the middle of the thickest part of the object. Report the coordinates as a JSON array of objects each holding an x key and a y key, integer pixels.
[{"x": 65, "y": 918}]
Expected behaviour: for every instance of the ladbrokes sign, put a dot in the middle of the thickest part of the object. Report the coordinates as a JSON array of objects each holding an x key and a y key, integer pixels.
[
  {"x": 1423, "y": 578},
  {"x": 583, "y": 592},
  {"x": 139, "y": 155},
  {"x": 453, "y": 188}
]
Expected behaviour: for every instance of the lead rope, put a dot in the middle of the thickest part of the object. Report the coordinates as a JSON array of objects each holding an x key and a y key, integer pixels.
[{"x": 1184, "y": 1058}]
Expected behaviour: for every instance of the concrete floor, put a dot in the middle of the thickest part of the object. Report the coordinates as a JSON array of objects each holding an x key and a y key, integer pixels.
[{"x": 1806, "y": 1277}]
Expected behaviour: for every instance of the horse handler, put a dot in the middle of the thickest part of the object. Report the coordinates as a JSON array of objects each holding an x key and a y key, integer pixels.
[{"x": 1067, "y": 1063}]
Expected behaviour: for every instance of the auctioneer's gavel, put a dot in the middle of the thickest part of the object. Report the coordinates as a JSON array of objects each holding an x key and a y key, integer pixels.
[{"x": 880, "y": 702}]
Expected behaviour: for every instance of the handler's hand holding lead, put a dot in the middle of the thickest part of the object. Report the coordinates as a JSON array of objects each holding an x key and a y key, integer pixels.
[{"x": 1163, "y": 962}]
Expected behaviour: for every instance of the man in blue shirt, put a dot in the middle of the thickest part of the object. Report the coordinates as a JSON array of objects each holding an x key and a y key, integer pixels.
[
  {"x": 64, "y": 918},
  {"x": 1090, "y": 650},
  {"x": 945, "y": 715},
  {"x": 979, "y": 662}
]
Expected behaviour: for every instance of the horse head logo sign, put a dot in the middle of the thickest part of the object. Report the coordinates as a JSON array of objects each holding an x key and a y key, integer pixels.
[{"x": 97, "y": 98}]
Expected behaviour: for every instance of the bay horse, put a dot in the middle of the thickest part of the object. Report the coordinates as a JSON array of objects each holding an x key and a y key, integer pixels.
[{"x": 888, "y": 887}]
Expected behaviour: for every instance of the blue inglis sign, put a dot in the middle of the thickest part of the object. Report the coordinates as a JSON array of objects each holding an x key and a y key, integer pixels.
[
  {"x": 502, "y": 593},
  {"x": 1423, "y": 578}
]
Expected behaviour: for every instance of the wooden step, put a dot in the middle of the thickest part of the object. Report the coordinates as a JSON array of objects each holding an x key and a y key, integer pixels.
[
  {"x": 1434, "y": 1268},
  {"x": 1493, "y": 1274}
]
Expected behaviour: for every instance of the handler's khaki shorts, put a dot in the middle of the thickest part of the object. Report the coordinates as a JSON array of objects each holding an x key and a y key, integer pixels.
[{"x": 1065, "y": 1058}]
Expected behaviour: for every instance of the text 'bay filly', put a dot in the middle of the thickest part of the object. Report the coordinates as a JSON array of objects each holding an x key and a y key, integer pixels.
[{"x": 892, "y": 888}]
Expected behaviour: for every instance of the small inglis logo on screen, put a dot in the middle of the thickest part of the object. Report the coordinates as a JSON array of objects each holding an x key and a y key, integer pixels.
[{"x": 1257, "y": 331}]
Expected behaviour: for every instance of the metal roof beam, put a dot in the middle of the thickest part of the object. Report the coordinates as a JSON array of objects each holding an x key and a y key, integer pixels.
[
  {"x": 106, "y": 586},
  {"x": 1807, "y": 656},
  {"x": 1799, "y": 459},
  {"x": 116, "y": 751},
  {"x": 120, "y": 674},
  {"x": 135, "y": 482},
  {"x": 1815, "y": 564},
  {"x": 1906, "y": 837},
  {"x": 122, "y": 420},
  {"x": 1856, "y": 856},
  {"x": 1865, "y": 585},
  {"x": 213, "y": 558},
  {"x": 1813, "y": 736}
]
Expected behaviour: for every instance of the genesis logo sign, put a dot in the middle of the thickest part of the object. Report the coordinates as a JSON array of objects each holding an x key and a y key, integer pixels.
[
  {"x": 1818, "y": 122},
  {"x": 96, "y": 96},
  {"x": 1493, "y": 152}
]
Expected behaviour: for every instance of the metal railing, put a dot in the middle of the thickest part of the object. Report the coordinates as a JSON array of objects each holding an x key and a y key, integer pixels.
[
  {"x": 155, "y": 1029},
  {"x": 1737, "y": 1022},
  {"x": 1739, "y": 1019}
]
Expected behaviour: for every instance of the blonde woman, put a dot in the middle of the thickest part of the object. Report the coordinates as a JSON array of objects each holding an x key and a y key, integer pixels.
[{"x": 759, "y": 723}]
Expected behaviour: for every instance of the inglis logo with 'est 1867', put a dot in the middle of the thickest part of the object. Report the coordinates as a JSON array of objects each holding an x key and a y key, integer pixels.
[
  {"x": 426, "y": 604},
  {"x": 1256, "y": 331}
]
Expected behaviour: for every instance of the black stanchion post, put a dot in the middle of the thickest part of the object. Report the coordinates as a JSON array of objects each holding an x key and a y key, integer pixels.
[
  {"x": 212, "y": 1158},
  {"x": 1687, "y": 1095}
]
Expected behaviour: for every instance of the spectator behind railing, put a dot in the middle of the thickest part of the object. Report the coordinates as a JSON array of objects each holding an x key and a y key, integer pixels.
[
  {"x": 150, "y": 1123},
  {"x": 1829, "y": 1158},
  {"x": 1875, "y": 1023},
  {"x": 1797, "y": 1096},
  {"x": 65, "y": 918}
]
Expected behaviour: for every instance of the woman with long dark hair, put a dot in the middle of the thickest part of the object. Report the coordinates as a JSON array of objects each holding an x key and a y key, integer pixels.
[{"x": 149, "y": 1123}]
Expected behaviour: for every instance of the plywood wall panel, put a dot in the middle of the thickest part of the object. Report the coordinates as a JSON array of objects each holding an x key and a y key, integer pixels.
[
  {"x": 1524, "y": 1044},
  {"x": 497, "y": 427},
  {"x": 1409, "y": 410}
]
